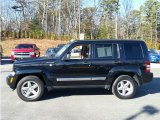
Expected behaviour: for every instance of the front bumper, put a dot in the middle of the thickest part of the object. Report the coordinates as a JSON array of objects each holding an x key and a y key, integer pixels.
[
  {"x": 154, "y": 60},
  {"x": 11, "y": 80},
  {"x": 17, "y": 57},
  {"x": 147, "y": 77}
]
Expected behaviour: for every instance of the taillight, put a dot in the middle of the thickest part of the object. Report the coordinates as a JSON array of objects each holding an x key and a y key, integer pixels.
[{"x": 147, "y": 66}]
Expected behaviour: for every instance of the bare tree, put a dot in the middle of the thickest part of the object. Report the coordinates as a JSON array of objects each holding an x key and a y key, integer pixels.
[{"x": 127, "y": 7}]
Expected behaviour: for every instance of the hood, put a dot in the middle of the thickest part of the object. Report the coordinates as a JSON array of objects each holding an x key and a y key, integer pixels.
[
  {"x": 34, "y": 61},
  {"x": 153, "y": 54},
  {"x": 23, "y": 50}
]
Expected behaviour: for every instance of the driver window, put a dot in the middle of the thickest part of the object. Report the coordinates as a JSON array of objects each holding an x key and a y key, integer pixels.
[{"x": 79, "y": 52}]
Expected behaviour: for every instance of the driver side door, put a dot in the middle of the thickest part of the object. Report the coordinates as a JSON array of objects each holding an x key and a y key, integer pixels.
[{"x": 75, "y": 67}]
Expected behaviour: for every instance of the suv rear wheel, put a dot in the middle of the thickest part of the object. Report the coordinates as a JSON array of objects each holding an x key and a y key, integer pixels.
[
  {"x": 124, "y": 87},
  {"x": 30, "y": 88}
]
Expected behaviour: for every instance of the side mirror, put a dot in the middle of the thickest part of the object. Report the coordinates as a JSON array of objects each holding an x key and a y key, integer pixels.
[{"x": 66, "y": 57}]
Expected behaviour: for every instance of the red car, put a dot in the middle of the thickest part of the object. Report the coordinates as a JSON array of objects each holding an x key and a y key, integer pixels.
[{"x": 25, "y": 50}]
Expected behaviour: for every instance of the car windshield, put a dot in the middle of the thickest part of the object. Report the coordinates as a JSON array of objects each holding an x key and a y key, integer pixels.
[
  {"x": 20, "y": 46},
  {"x": 54, "y": 50},
  {"x": 62, "y": 50}
]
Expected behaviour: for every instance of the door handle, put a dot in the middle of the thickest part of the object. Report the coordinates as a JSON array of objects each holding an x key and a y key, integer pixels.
[
  {"x": 50, "y": 62},
  {"x": 116, "y": 62}
]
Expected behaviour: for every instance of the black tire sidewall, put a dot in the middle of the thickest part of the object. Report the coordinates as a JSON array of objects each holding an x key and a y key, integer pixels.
[
  {"x": 120, "y": 78},
  {"x": 30, "y": 78}
]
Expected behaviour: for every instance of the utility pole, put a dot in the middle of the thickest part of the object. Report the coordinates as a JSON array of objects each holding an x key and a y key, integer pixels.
[
  {"x": 56, "y": 17},
  {"x": 155, "y": 44},
  {"x": 116, "y": 26},
  {"x": 59, "y": 23},
  {"x": 79, "y": 18},
  {"x": 116, "y": 20},
  {"x": 75, "y": 21},
  {"x": 1, "y": 19},
  {"x": 141, "y": 29},
  {"x": 44, "y": 11},
  {"x": 19, "y": 9},
  {"x": 46, "y": 22}
]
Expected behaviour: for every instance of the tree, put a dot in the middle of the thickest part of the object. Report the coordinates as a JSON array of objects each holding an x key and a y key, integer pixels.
[
  {"x": 110, "y": 10},
  {"x": 88, "y": 21},
  {"x": 150, "y": 10}
]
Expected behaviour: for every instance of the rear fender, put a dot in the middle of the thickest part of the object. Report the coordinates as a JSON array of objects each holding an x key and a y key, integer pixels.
[{"x": 132, "y": 71}]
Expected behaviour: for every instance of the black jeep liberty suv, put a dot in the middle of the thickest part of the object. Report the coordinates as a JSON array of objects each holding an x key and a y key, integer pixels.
[{"x": 116, "y": 65}]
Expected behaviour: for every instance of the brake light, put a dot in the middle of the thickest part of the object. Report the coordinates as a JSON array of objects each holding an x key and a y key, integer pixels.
[{"x": 147, "y": 66}]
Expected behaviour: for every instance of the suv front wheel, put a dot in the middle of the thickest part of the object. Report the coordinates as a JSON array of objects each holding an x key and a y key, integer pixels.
[
  {"x": 30, "y": 88},
  {"x": 124, "y": 87}
]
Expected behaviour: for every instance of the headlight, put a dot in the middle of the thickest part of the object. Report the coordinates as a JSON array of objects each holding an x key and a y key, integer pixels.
[
  {"x": 32, "y": 53},
  {"x": 12, "y": 53},
  {"x": 153, "y": 56}
]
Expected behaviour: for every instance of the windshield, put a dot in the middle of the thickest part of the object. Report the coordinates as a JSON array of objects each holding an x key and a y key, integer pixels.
[
  {"x": 20, "y": 46},
  {"x": 54, "y": 50},
  {"x": 62, "y": 50}
]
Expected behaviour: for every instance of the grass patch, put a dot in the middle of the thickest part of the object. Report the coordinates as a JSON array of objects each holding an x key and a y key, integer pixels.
[{"x": 9, "y": 44}]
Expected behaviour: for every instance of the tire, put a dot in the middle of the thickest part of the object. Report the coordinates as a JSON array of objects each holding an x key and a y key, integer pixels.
[
  {"x": 124, "y": 87},
  {"x": 32, "y": 93}
]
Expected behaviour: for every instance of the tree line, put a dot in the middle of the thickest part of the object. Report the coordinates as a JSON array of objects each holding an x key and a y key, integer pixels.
[{"x": 67, "y": 19}]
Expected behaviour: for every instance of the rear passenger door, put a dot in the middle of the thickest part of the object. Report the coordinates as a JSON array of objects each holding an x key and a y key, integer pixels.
[{"x": 106, "y": 56}]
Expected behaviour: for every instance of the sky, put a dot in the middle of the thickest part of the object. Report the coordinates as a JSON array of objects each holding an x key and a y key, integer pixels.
[
  {"x": 136, "y": 3},
  {"x": 86, "y": 3}
]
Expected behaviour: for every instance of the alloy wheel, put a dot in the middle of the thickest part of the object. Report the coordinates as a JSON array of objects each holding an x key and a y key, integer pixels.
[{"x": 30, "y": 89}]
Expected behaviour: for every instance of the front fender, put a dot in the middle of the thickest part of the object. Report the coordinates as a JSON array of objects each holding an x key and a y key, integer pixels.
[
  {"x": 133, "y": 71},
  {"x": 39, "y": 73}
]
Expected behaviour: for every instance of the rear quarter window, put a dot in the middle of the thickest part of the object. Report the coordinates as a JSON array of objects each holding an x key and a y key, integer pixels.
[{"x": 133, "y": 51}]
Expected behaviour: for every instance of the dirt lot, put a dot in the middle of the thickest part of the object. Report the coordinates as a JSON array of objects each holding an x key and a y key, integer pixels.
[{"x": 9, "y": 44}]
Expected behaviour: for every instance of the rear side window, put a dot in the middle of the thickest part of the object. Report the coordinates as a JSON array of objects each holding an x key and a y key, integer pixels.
[
  {"x": 103, "y": 51},
  {"x": 133, "y": 51}
]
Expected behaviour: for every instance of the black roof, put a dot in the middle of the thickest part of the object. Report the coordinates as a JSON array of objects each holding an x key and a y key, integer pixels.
[{"x": 109, "y": 40}]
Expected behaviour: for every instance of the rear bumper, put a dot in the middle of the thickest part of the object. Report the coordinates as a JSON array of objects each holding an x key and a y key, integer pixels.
[{"x": 147, "y": 77}]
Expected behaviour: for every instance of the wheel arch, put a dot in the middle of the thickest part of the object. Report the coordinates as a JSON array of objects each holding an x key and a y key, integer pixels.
[
  {"x": 30, "y": 74},
  {"x": 134, "y": 75}
]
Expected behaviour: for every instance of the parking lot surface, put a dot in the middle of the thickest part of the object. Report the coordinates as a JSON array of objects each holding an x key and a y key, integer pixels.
[{"x": 82, "y": 104}]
